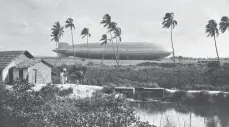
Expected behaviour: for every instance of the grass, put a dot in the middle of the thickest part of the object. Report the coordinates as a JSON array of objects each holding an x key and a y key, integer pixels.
[{"x": 191, "y": 76}]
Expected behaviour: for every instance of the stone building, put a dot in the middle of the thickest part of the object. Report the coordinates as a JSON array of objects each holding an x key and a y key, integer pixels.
[{"x": 16, "y": 65}]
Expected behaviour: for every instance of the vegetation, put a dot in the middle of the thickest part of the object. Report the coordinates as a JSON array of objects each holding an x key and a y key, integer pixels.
[
  {"x": 191, "y": 76},
  {"x": 70, "y": 24},
  {"x": 84, "y": 33},
  {"x": 224, "y": 24},
  {"x": 116, "y": 31},
  {"x": 212, "y": 31},
  {"x": 104, "y": 42},
  {"x": 57, "y": 33},
  {"x": 22, "y": 106},
  {"x": 170, "y": 22},
  {"x": 106, "y": 21}
]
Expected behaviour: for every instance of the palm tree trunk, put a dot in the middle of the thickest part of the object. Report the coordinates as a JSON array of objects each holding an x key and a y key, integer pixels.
[
  {"x": 114, "y": 49},
  {"x": 58, "y": 53},
  {"x": 117, "y": 50},
  {"x": 174, "y": 61},
  {"x": 73, "y": 48},
  {"x": 87, "y": 49},
  {"x": 104, "y": 52},
  {"x": 216, "y": 49}
]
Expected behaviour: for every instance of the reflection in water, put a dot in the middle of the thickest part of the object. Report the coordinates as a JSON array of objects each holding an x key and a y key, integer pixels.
[{"x": 174, "y": 115}]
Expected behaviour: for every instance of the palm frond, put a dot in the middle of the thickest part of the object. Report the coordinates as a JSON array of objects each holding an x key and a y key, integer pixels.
[
  {"x": 211, "y": 28},
  {"x": 112, "y": 26},
  {"x": 104, "y": 37},
  {"x": 69, "y": 23},
  {"x": 84, "y": 35},
  {"x": 85, "y": 32},
  {"x": 224, "y": 24},
  {"x": 168, "y": 21},
  {"x": 57, "y": 32},
  {"x": 106, "y": 20}
]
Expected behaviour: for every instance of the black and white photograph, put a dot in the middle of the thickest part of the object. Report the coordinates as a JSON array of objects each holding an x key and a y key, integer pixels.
[{"x": 114, "y": 63}]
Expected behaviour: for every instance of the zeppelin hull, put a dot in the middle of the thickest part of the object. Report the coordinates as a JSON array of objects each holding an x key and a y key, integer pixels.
[{"x": 126, "y": 52}]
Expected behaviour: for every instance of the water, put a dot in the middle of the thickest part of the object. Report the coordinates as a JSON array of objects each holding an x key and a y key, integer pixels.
[{"x": 173, "y": 115}]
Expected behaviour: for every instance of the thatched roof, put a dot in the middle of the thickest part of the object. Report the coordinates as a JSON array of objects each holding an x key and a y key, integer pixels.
[{"x": 6, "y": 57}]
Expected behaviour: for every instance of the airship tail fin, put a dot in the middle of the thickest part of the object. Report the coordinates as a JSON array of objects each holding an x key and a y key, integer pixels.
[{"x": 63, "y": 45}]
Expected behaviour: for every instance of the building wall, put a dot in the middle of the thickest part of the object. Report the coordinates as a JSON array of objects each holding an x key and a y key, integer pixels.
[
  {"x": 43, "y": 73},
  {"x": 5, "y": 76}
]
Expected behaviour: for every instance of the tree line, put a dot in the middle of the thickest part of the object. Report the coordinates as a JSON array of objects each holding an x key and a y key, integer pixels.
[{"x": 115, "y": 31}]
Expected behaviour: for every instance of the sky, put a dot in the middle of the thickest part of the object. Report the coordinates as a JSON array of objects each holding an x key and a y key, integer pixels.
[{"x": 26, "y": 24}]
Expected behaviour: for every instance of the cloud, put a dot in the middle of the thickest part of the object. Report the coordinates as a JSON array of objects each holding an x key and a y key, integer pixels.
[
  {"x": 26, "y": 24},
  {"x": 42, "y": 4}
]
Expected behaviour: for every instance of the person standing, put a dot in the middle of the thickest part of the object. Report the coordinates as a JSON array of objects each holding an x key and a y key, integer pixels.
[
  {"x": 62, "y": 77},
  {"x": 65, "y": 75}
]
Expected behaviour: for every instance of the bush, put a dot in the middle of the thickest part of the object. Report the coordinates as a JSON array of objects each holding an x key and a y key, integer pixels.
[
  {"x": 202, "y": 98},
  {"x": 200, "y": 87},
  {"x": 20, "y": 105},
  {"x": 109, "y": 88},
  {"x": 65, "y": 92},
  {"x": 27, "y": 108},
  {"x": 179, "y": 95},
  {"x": 221, "y": 99},
  {"x": 49, "y": 91},
  {"x": 144, "y": 124}
]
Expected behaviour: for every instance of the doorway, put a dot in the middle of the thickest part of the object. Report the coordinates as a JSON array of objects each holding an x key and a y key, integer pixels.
[
  {"x": 34, "y": 75},
  {"x": 11, "y": 76},
  {"x": 21, "y": 74}
]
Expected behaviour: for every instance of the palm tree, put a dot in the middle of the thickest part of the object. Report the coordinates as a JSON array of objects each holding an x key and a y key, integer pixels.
[
  {"x": 84, "y": 33},
  {"x": 106, "y": 21},
  {"x": 112, "y": 28},
  {"x": 169, "y": 22},
  {"x": 212, "y": 31},
  {"x": 104, "y": 42},
  {"x": 57, "y": 33},
  {"x": 117, "y": 36},
  {"x": 70, "y": 24},
  {"x": 224, "y": 24}
]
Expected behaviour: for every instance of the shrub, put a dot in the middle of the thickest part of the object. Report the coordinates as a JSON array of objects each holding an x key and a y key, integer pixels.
[
  {"x": 28, "y": 108},
  {"x": 65, "y": 92},
  {"x": 225, "y": 88},
  {"x": 49, "y": 91},
  {"x": 144, "y": 124},
  {"x": 200, "y": 87},
  {"x": 179, "y": 95},
  {"x": 221, "y": 99},
  {"x": 100, "y": 110},
  {"x": 109, "y": 88},
  {"x": 203, "y": 98},
  {"x": 20, "y": 105}
]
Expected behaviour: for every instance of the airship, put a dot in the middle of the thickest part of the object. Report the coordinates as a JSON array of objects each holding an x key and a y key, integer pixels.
[{"x": 127, "y": 51}]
